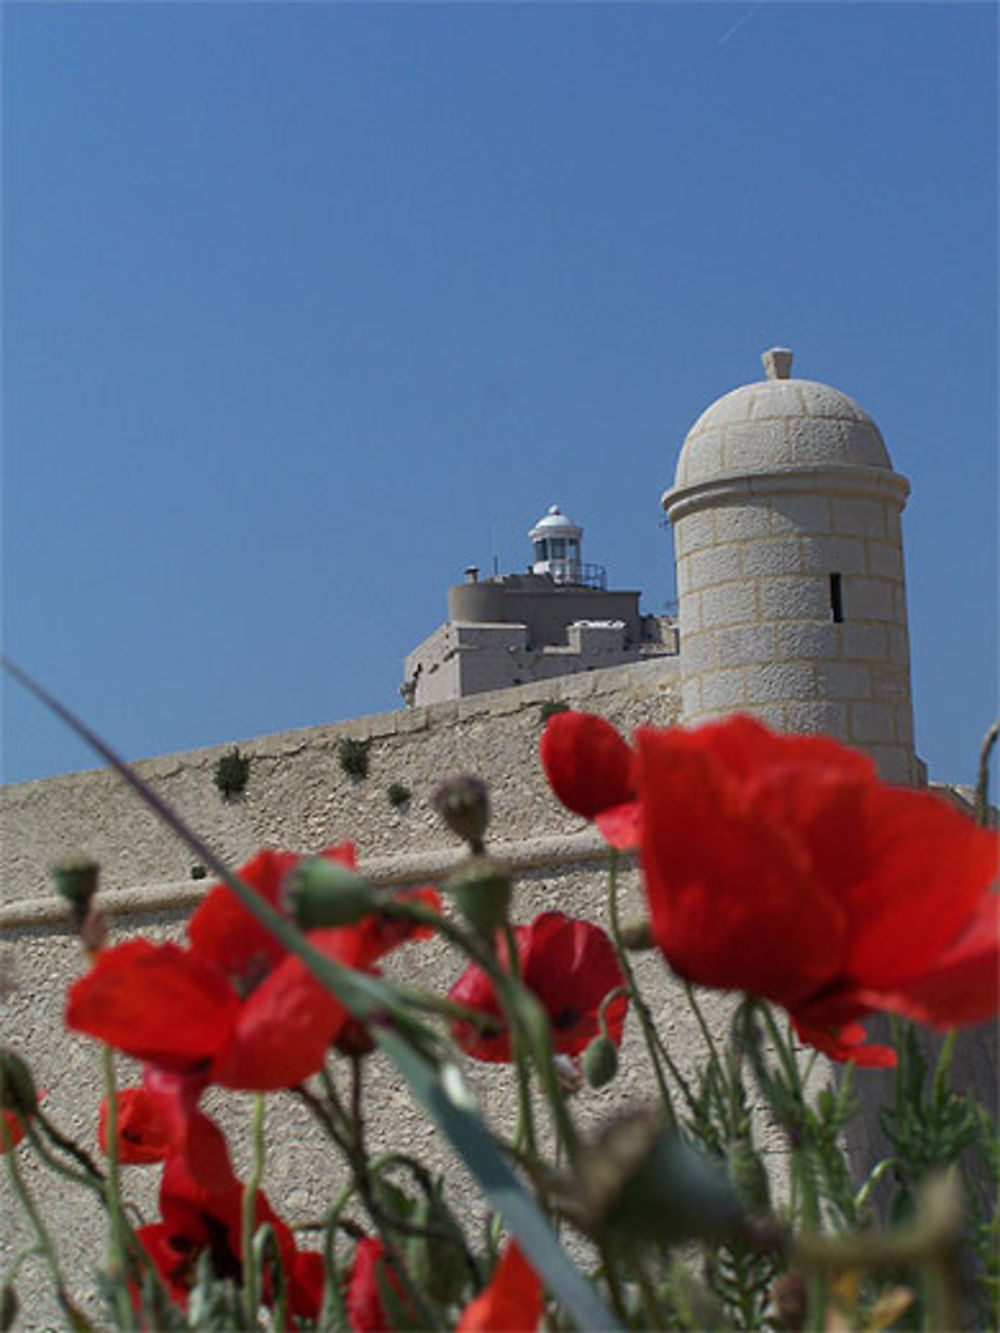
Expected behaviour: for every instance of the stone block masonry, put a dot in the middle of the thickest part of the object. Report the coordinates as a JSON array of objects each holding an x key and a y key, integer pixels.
[
  {"x": 299, "y": 798},
  {"x": 790, "y": 579}
]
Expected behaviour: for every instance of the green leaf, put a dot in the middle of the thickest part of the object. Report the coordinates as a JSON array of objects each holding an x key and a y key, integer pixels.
[{"x": 473, "y": 1142}]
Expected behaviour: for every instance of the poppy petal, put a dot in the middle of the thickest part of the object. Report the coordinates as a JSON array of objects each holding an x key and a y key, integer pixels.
[
  {"x": 928, "y": 869},
  {"x": 156, "y": 1002},
  {"x": 588, "y": 764},
  {"x": 726, "y": 885},
  {"x": 512, "y": 1303},
  {"x": 281, "y": 1033},
  {"x": 963, "y": 985}
]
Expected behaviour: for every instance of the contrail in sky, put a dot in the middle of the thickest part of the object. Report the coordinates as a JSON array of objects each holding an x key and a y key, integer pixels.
[{"x": 740, "y": 22}]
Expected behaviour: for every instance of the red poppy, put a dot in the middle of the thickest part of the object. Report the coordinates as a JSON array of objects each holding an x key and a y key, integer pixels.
[
  {"x": 570, "y": 965},
  {"x": 234, "y": 1008},
  {"x": 512, "y": 1303},
  {"x": 143, "y": 1131},
  {"x": 369, "y": 1274},
  {"x": 781, "y": 866},
  {"x": 589, "y": 768},
  {"x": 196, "y": 1220}
]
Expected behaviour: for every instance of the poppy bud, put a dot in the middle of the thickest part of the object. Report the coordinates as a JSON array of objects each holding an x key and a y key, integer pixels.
[
  {"x": 642, "y": 1182},
  {"x": 75, "y": 879},
  {"x": 436, "y": 1262},
  {"x": 482, "y": 890},
  {"x": 318, "y": 893},
  {"x": 464, "y": 805},
  {"x": 748, "y": 1175},
  {"x": 600, "y": 1061},
  {"x": 17, "y": 1086}
]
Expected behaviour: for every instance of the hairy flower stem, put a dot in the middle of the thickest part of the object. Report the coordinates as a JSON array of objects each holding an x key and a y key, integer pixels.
[
  {"x": 804, "y": 1185},
  {"x": 612, "y": 1279},
  {"x": 67, "y": 1145},
  {"x": 525, "y": 1112},
  {"x": 118, "y": 1264},
  {"x": 44, "y": 1244},
  {"x": 93, "y": 1182},
  {"x": 645, "y": 1017},
  {"x": 251, "y": 1290},
  {"x": 352, "y": 1143},
  {"x": 437, "y": 1004},
  {"x": 333, "y": 1313}
]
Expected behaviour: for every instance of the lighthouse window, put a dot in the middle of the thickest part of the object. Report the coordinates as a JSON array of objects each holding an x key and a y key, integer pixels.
[
  {"x": 836, "y": 599},
  {"x": 541, "y": 549},
  {"x": 558, "y": 548}
]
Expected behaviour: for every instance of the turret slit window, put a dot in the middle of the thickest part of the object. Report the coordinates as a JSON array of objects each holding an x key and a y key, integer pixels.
[{"x": 836, "y": 599}]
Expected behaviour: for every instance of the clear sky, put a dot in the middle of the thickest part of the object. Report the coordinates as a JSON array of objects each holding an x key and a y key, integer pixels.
[{"x": 307, "y": 307}]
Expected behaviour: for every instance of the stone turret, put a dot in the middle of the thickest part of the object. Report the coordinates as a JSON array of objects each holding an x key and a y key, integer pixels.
[{"x": 791, "y": 588}]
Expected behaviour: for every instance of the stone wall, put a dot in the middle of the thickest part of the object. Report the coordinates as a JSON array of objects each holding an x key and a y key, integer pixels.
[{"x": 298, "y": 797}]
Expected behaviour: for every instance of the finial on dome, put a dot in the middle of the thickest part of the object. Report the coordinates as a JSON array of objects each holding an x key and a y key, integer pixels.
[{"x": 777, "y": 363}]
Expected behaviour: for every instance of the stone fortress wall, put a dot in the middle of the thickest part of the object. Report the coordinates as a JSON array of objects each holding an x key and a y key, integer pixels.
[{"x": 299, "y": 798}]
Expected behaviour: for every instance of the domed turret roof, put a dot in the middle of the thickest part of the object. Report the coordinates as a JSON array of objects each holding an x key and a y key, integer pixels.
[
  {"x": 555, "y": 522},
  {"x": 780, "y": 424}
]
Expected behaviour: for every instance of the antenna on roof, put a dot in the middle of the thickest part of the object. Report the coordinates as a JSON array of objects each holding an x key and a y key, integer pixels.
[{"x": 493, "y": 543}]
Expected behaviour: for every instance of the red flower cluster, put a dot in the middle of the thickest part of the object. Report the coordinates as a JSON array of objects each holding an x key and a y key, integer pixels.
[
  {"x": 234, "y": 1008},
  {"x": 781, "y": 866},
  {"x": 570, "y": 965},
  {"x": 195, "y": 1219}
]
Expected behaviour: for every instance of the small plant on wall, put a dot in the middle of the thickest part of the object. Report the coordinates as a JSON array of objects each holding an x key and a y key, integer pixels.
[
  {"x": 549, "y": 709},
  {"x": 399, "y": 794},
  {"x": 353, "y": 755},
  {"x": 231, "y": 774}
]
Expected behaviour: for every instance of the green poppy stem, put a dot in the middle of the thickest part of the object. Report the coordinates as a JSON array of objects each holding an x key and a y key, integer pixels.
[
  {"x": 649, "y": 1032},
  {"x": 44, "y": 1245},
  {"x": 251, "y": 1289},
  {"x": 118, "y": 1260}
]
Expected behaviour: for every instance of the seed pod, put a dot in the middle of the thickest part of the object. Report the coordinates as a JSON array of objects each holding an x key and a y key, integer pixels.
[
  {"x": 464, "y": 805},
  {"x": 319, "y": 893},
  {"x": 639, "y": 1181},
  {"x": 436, "y": 1263},
  {"x": 600, "y": 1061},
  {"x": 75, "y": 879}
]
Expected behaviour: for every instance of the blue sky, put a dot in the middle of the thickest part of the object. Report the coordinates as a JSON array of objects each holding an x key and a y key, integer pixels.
[{"x": 307, "y": 307}]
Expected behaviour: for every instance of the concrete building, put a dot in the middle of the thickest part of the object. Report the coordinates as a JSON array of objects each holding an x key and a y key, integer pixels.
[{"x": 557, "y": 619}]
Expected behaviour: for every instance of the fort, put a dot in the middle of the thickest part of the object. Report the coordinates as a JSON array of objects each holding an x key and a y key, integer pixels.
[{"x": 791, "y": 606}]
